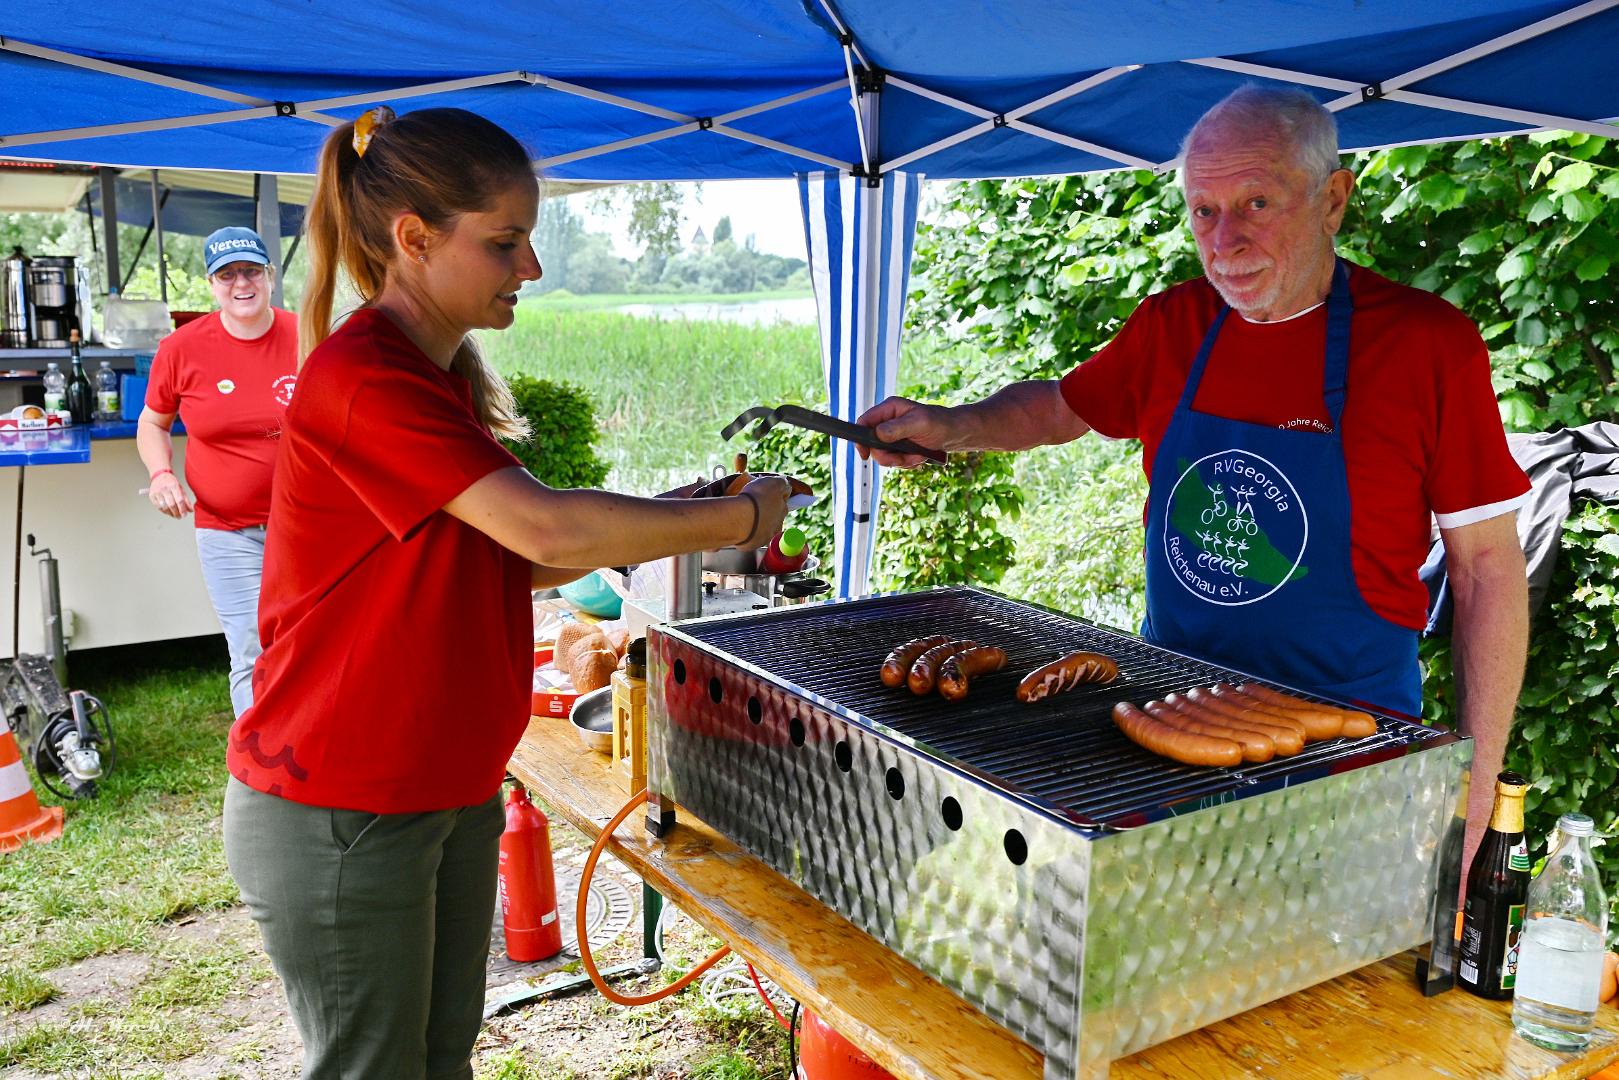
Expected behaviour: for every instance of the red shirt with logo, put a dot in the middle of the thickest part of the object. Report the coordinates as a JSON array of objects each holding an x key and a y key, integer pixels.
[
  {"x": 398, "y": 640},
  {"x": 1421, "y": 430},
  {"x": 231, "y": 395}
]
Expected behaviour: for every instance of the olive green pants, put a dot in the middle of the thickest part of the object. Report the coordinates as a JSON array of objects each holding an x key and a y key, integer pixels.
[{"x": 378, "y": 925}]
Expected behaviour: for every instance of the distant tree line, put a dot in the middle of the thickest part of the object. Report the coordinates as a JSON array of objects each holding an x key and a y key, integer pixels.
[{"x": 584, "y": 262}]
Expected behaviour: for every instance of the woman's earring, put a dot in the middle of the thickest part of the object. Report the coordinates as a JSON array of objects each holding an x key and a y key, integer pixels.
[{"x": 421, "y": 258}]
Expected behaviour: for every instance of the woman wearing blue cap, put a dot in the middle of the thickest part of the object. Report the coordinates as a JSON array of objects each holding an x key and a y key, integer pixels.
[{"x": 230, "y": 376}]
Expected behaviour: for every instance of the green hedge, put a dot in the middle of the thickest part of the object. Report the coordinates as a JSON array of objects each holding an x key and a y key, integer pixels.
[
  {"x": 939, "y": 525},
  {"x": 561, "y": 447},
  {"x": 1566, "y": 737}
]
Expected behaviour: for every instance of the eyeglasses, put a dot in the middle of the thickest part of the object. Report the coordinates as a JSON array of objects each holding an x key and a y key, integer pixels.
[{"x": 245, "y": 273}]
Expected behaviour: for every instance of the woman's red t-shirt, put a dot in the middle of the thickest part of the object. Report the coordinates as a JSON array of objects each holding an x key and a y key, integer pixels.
[
  {"x": 397, "y": 639},
  {"x": 231, "y": 394}
]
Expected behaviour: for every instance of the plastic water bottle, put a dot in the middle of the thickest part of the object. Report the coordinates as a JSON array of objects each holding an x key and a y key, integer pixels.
[
  {"x": 1560, "y": 960},
  {"x": 55, "y": 387},
  {"x": 107, "y": 392}
]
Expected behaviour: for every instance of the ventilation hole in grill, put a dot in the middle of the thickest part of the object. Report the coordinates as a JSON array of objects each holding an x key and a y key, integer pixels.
[
  {"x": 951, "y": 811},
  {"x": 843, "y": 756},
  {"x": 795, "y": 731},
  {"x": 756, "y": 711},
  {"x": 896, "y": 784},
  {"x": 1017, "y": 848},
  {"x": 680, "y": 673},
  {"x": 715, "y": 690}
]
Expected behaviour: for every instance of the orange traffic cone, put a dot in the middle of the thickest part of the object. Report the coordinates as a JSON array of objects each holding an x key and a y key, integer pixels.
[{"x": 21, "y": 817}]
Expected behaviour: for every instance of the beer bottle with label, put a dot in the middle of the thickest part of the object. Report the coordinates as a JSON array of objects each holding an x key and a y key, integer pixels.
[
  {"x": 1497, "y": 882},
  {"x": 81, "y": 400}
]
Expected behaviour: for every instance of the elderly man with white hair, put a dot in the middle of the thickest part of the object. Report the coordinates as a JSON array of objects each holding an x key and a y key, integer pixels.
[{"x": 1302, "y": 421}]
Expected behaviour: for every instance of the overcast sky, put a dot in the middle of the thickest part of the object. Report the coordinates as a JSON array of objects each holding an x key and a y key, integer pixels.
[{"x": 767, "y": 209}]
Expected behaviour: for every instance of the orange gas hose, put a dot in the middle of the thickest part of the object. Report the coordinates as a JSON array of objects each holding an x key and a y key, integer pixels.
[
  {"x": 759, "y": 986},
  {"x": 584, "y": 940}
]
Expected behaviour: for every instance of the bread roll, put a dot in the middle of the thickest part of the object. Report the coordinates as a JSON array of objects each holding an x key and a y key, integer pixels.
[
  {"x": 569, "y": 638},
  {"x": 593, "y": 669}
]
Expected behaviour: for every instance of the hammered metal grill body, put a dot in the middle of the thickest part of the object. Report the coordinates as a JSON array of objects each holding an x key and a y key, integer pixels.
[{"x": 1090, "y": 897}]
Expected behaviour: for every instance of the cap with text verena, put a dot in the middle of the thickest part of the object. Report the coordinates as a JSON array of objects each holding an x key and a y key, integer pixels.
[{"x": 234, "y": 244}]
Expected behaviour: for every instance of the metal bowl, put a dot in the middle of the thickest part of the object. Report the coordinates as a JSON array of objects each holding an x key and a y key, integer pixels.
[
  {"x": 732, "y": 560},
  {"x": 592, "y": 719},
  {"x": 738, "y": 561}
]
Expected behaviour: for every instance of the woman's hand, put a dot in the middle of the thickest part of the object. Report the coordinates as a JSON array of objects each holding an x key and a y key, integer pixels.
[
  {"x": 169, "y": 495},
  {"x": 770, "y": 493}
]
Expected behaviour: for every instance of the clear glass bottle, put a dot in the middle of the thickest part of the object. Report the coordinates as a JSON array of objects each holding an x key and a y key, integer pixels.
[
  {"x": 107, "y": 392},
  {"x": 55, "y": 387},
  {"x": 1560, "y": 960}
]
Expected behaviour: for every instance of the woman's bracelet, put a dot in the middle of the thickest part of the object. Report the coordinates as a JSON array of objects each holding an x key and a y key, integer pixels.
[
  {"x": 753, "y": 500},
  {"x": 160, "y": 472}
]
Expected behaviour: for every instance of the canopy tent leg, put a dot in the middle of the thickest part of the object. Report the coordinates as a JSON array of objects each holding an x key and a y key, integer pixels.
[
  {"x": 269, "y": 227},
  {"x": 109, "y": 225},
  {"x": 157, "y": 224},
  {"x": 859, "y": 234}
]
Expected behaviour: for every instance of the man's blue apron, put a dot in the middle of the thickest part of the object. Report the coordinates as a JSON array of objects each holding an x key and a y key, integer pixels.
[{"x": 1248, "y": 550}]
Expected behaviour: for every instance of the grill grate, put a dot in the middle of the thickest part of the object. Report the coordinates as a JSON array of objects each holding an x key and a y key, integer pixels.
[{"x": 1064, "y": 751}]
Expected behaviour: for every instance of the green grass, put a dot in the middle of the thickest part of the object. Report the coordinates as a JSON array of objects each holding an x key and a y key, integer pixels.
[
  {"x": 23, "y": 990},
  {"x": 148, "y": 849},
  {"x": 663, "y": 388},
  {"x": 562, "y": 300}
]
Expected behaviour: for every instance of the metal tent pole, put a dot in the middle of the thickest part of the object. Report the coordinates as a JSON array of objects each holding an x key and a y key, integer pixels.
[
  {"x": 109, "y": 226},
  {"x": 157, "y": 223},
  {"x": 269, "y": 221}
]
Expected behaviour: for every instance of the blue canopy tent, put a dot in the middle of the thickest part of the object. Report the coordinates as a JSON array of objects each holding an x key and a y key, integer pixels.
[{"x": 857, "y": 91}]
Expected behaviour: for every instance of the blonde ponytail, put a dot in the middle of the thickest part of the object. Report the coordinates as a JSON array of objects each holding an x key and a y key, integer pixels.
[{"x": 492, "y": 400}]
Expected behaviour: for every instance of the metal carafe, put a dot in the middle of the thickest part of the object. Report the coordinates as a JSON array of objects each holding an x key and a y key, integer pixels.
[{"x": 16, "y": 313}]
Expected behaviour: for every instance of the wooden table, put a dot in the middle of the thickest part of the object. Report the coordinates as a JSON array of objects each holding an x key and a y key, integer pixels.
[{"x": 1371, "y": 1024}]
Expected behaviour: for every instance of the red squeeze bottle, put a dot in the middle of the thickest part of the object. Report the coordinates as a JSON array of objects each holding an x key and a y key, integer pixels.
[
  {"x": 528, "y": 893},
  {"x": 786, "y": 553}
]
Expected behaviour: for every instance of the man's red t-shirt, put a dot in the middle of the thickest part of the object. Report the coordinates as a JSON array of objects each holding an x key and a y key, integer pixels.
[
  {"x": 398, "y": 640},
  {"x": 1421, "y": 430},
  {"x": 231, "y": 394}
]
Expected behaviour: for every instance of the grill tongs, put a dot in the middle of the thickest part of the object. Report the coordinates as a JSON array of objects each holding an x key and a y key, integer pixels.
[{"x": 826, "y": 425}]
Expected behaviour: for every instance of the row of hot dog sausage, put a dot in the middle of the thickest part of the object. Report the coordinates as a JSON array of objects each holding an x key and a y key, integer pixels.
[
  {"x": 1228, "y": 725},
  {"x": 949, "y": 665}
]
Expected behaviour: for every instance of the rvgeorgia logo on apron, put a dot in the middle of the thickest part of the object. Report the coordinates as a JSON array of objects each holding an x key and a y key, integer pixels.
[{"x": 1235, "y": 528}]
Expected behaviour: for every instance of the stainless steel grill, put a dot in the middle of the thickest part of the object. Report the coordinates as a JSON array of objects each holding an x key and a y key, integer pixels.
[
  {"x": 1065, "y": 750},
  {"x": 1091, "y": 896}
]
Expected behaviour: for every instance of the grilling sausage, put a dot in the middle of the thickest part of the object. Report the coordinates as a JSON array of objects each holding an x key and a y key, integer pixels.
[
  {"x": 957, "y": 670},
  {"x": 1318, "y": 724},
  {"x": 1067, "y": 673},
  {"x": 1256, "y": 748},
  {"x": 1356, "y": 724},
  {"x": 1208, "y": 698},
  {"x": 925, "y": 671},
  {"x": 1170, "y": 742},
  {"x": 1287, "y": 737},
  {"x": 898, "y": 664}
]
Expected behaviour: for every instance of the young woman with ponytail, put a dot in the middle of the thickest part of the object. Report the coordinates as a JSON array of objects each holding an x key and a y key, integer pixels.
[{"x": 362, "y": 817}]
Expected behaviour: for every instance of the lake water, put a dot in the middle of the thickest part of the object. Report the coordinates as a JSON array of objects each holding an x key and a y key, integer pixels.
[{"x": 797, "y": 310}]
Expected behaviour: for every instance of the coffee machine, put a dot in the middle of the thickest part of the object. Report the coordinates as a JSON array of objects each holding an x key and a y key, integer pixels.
[{"x": 53, "y": 287}]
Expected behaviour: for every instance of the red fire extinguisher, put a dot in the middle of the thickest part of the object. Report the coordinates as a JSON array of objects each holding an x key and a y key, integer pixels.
[
  {"x": 823, "y": 1054},
  {"x": 528, "y": 888}
]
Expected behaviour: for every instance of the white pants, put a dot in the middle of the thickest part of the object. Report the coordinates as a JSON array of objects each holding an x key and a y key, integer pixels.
[{"x": 232, "y": 564}]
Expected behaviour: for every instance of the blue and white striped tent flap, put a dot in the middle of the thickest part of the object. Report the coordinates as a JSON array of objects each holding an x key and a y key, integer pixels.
[{"x": 859, "y": 240}]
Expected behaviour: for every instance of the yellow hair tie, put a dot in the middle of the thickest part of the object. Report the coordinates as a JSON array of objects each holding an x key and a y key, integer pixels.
[{"x": 367, "y": 124}]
